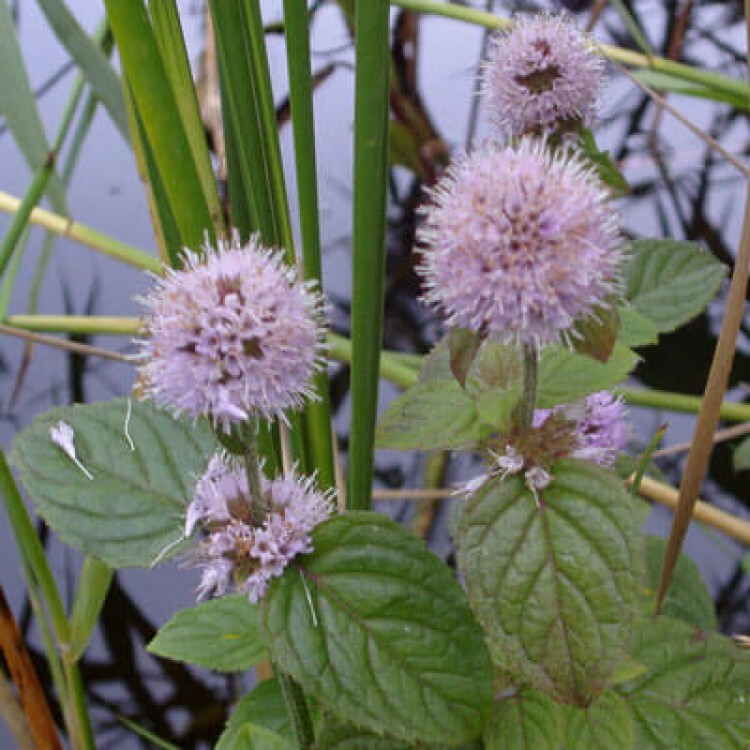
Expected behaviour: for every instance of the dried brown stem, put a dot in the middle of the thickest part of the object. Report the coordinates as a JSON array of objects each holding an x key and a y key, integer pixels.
[
  {"x": 708, "y": 417},
  {"x": 71, "y": 346},
  {"x": 27, "y": 682}
]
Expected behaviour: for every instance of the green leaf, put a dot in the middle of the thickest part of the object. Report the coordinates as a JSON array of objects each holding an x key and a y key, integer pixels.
[
  {"x": 169, "y": 37},
  {"x": 132, "y": 512},
  {"x": 377, "y": 629},
  {"x": 317, "y": 420},
  {"x": 18, "y": 107},
  {"x": 498, "y": 366},
  {"x": 525, "y": 720},
  {"x": 596, "y": 334},
  {"x": 221, "y": 634},
  {"x": 438, "y": 414},
  {"x": 263, "y": 707},
  {"x": 555, "y": 583},
  {"x": 635, "y": 329},
  {"x": 670, "y": 282},
  {"x": 436, "y": 365},
  {"x": 605, "y": 724},
  {"x": 495, "y": 408},
  {"x": 253, "y": 737},
  {"x": 661, "y": 81},
  {"x": 565, "y": 376},
  {"x": 99, "y": 73},
  {"x": 741, "y": 456},
  {"x": 628, "y": 669},
  {"x": 91, "y": 591},
  {"x": 696, "y": 693},
  {"x": 607, "y": 170},
  {"x": 334, "y": 735},
  {"x": 163, "y": 126},
  {"x": 687, "y": 597},
  {"x": 464, "y": 346}
]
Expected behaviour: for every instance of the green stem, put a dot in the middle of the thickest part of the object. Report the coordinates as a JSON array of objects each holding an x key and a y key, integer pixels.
[
  {"x": 84, "y": 235},
  {"x": 37, "y": 566},
  {"x": 251, "y": 460},
  {"x": 42, "y": 177},
  {"x": 317, "y": 420},
  {"x": 297, "y": 706},
  {"x": 90, "y": 324},
  {"x": 530, "y": 379},
  {"x": 76, "y": 708},
  {"x": 93, "y": 586},
  {"x": 391, "y": 366},
  {"x": 371, "y": 125},
  {"x": 30, "y": 546},
  {"x": 21, "y": 218},
  {"x": 640, "y": 469},
  {"x": 679, "y": 402},
  {"x": 624, "y": 56},
  {"x": 395, "y": 367}
]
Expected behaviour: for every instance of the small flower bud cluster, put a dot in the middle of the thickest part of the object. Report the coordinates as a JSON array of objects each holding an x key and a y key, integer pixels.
[
  {"x": 233, "y": 335},
  {"x": 594, "y": 429},
  {"x": 234, "y": 551},
  {"x": 543, "y": 77}
]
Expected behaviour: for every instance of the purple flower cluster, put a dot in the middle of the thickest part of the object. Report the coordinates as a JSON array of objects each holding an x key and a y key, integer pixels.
[
  {"x": 543, "y": 76},
  {"x": 519, "y": 243},
  {"x": 597, "y": 423},
  {"x": 232, "y": 335},
  {"x": 234, "y": 551},
  {"x": 594, "y": 429}
]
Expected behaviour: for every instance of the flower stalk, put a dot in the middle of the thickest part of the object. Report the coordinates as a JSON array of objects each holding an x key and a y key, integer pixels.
[{"x": 530, "y": 380}]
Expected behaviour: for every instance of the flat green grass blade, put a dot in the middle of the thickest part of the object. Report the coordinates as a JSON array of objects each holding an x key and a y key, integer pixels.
[
  {"x": 246, "y": 87},
  {"x": 165, "y": 226},
  {"x": 370, "y": 200},
  {"x": 20, "y": 222},
  {"x": 162, "y": 122},
  {"x": 18, "y": 107},
  {"x": 88, "y": 56},
  {"x": 318, "y": 414},
  {"x": 259, "y": 190},
  {"x": 168, "y": 31}
]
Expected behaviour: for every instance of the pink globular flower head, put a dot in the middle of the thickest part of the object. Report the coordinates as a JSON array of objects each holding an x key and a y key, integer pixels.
[
  {"x": 543, "y": 75},
  {"x": 231, "y": 335},
  {"x": 519, "y": 244},
  {"x": 233, "y": 551}
]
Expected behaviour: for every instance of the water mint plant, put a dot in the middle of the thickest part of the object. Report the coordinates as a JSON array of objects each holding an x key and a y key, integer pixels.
[{"x": 542, "y": 631}]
